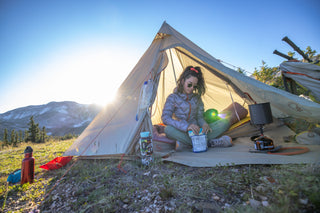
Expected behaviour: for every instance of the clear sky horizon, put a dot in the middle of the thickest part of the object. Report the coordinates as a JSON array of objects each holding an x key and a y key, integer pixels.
[{"x": 82, "y": 50}]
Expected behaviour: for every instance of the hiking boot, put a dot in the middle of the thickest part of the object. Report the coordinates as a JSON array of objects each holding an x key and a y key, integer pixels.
[{"x": 224, "y": 141}]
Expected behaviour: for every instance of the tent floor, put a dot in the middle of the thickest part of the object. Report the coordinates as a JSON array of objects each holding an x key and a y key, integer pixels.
[{"x": 239, "y": 153}]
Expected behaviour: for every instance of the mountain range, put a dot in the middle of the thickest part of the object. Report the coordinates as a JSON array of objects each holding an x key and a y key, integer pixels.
[{"x": 59, "y": 118}]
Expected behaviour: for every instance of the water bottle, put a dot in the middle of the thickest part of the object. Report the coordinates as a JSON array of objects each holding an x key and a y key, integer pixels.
[
  {"x": 146, "y": 94},
  {"x": 146, "y": 148},
  {"x": 27, "y": 168},
  {"x": 145, "y": 97}
]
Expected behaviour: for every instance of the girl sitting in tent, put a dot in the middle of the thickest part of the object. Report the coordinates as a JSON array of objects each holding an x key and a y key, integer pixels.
[{"x": 183, "y": 111}]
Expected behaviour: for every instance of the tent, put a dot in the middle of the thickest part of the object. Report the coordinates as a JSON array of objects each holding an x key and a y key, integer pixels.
[
  {"x": 115, "y": 131},
  {"x": 305, "y": 74}
]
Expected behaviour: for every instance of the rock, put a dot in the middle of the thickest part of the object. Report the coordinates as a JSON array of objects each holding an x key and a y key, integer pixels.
[
  {"x": 263, "y": 198},
  {"x": 261, "y": 188},
  {"x": 227, "y": 205},
  {"x": 210, "y": 207},
  {"x": 215, "y": 197},
  {"x": 147, "y": 209},
  {"x": 147, "y": 173},
  {"x": 172, "y": 203},
  {"x": 126, "y": 200},
  {"x": 55, "y": 197},
  {"x": 303, "y": 201},
  {"x": 254, "y": 203}
]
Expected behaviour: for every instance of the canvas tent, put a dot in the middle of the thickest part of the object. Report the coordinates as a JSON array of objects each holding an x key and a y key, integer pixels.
[
  {"x": 115, "y": 130},
  {"x": 305, "y": 74}
]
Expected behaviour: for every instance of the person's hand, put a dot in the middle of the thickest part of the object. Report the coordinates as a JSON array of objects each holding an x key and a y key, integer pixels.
[
  {"x": 206, "y": 128},
  {"x": 195, "y": 128}
]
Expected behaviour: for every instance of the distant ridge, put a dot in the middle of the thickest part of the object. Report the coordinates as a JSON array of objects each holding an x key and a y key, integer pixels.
[{"x": 59, "y": 118}]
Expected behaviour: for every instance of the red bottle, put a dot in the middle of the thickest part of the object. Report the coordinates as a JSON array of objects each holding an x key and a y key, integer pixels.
[{"x": 27, "y": 168}]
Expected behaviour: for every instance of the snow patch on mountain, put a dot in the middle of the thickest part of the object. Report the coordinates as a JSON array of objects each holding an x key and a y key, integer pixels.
[
  {"x": 59, "y": 118},
  {"x": 62, "y": 109},
  {"x": 46, "y": 109},
  {"x": 82, "y": 123}
]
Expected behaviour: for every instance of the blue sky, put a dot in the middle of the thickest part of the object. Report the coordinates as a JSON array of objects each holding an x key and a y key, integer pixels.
[{"x": 82, "y": 50}]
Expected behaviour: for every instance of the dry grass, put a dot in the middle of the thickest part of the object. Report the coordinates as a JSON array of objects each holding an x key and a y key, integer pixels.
[{"x": 100, "y": 186}]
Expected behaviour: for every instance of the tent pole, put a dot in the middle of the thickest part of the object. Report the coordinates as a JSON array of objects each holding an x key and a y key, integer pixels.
[{"x": 174, "y": 71}]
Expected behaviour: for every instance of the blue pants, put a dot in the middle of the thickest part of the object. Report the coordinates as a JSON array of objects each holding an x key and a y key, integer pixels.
[{"x": 218, "y": 128}]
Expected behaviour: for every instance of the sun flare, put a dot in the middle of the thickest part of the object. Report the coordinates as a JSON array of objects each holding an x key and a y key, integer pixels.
[{"x": 91, "y": 74}]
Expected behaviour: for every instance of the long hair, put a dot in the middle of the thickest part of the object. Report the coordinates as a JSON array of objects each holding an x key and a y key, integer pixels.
[{"x": 195, "y": 72}]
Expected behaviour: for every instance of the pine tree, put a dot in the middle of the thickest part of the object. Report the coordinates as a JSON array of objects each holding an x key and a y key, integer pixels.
[
  {"x": 38, "y": 135},
  {"x": 12, "y": 137},
  {"x": 20, "y": 136},
  {"x": 269, "y": 75},
  {"x": 32, "y": 132},
  {"x": 26, "y": 136},
  {"x": 5, "y": 137},
  {"x": 16, "y": 138},
  {"x": 43, "y": 134}
]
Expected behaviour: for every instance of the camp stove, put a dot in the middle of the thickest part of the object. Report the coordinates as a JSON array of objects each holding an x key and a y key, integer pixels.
[
  {"x": 260, "y": 115},
  {"x": 262, "y": 143}
]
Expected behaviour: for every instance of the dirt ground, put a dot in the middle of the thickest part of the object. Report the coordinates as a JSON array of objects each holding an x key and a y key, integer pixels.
[{"x": 128, "y": 186}]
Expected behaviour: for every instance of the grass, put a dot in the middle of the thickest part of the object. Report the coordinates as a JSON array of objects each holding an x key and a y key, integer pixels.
[
  {"x": 11, "y": 159},
  {"x": 100, "y": 186}
]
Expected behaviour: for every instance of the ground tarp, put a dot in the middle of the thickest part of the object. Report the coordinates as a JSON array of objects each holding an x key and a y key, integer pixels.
[{"x": 239, "y": 153}]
